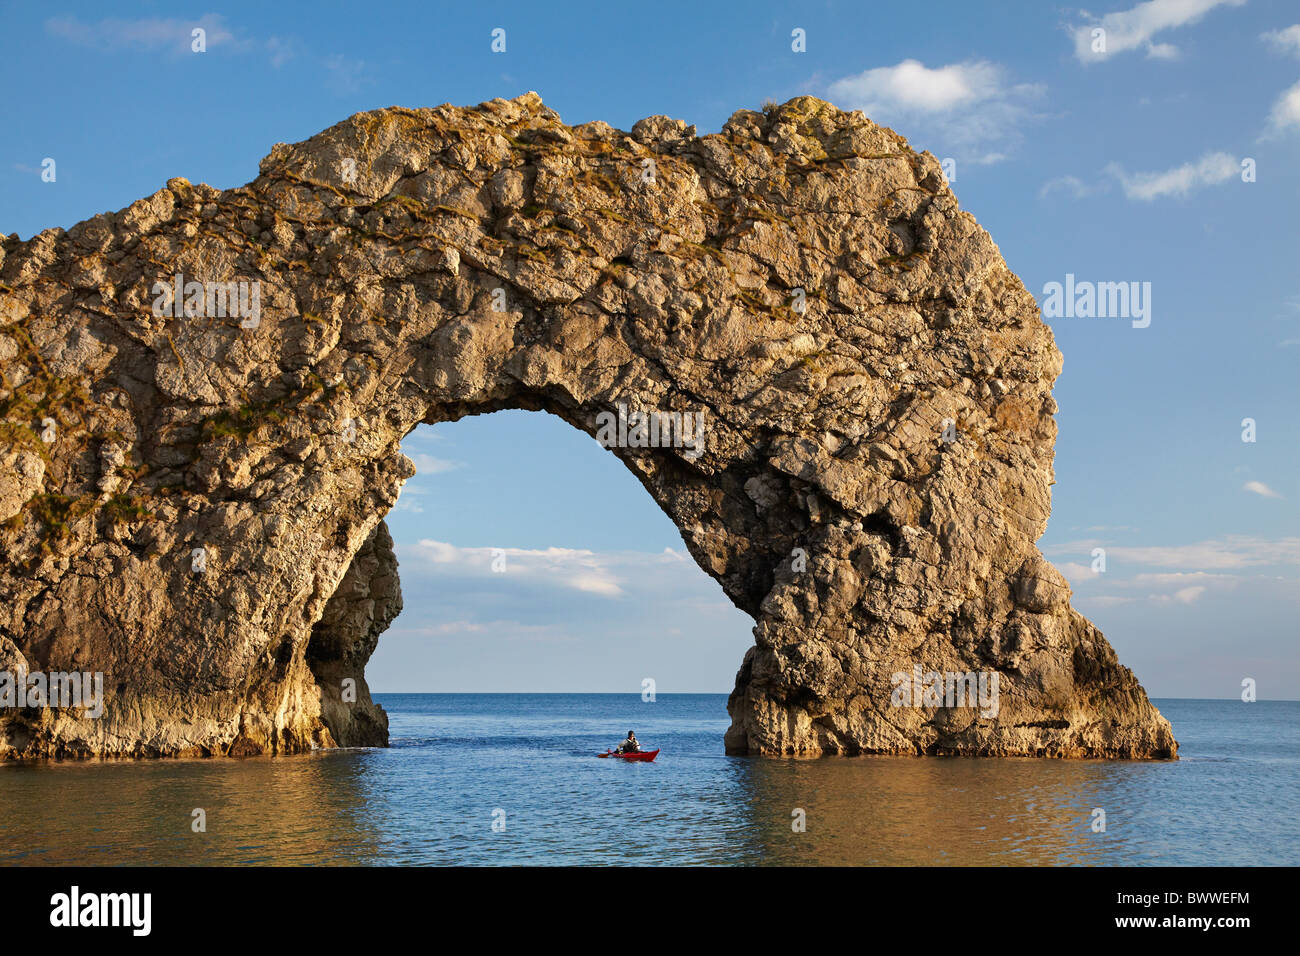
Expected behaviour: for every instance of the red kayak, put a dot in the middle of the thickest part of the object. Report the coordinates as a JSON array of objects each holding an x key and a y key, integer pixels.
[{"x": 639, "y": 755}]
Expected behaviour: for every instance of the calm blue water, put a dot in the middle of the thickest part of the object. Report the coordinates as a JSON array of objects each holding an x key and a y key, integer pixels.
[{"x": 457, "y": 758}]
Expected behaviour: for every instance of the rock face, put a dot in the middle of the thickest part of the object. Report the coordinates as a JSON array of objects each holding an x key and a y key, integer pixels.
[{"x": 193, "y": 494}]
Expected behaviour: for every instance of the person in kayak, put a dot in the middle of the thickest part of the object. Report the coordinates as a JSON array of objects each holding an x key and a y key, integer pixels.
[{"x": 629, "y": 746}]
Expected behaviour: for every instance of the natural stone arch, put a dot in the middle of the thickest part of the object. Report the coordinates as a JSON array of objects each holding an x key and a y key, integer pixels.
[{"x": 804, "y": 278}]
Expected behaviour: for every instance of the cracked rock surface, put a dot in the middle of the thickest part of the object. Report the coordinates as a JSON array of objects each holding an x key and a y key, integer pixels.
[{"x": 875, "y": 383}]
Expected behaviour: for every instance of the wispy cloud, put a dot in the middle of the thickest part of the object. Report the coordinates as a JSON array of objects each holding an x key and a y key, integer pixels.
[
  {"x": 1285, "y": 114},
  {"x": 1107, "y": 600},
  {"x": 1073, "y": 185},
  {"x": 281, "y": 51},
  {"x": 426, "y": 466},
  {"x": 670, "y": 575},
  {"x": 969, "y": 107},
  {"x": 1223, "y": 554},
  {"x": 495, "y": 628},
  {"x": 1259, "y": 488},
  {"x": 1181, "y": 580},
  {"x": 1285, "y": 41},
  {"x": 1211, "y": 169},
  {"x": 344, "y": 73},
  {"x": 173, "y": 36},
  {"x": 429, "y": 465},
  {"x": 169, "y": 34},
  {"x": 1135, "y": 29},
  {"x": 445, "y": 628},
  {"x": 1164, "y": 588},
  {"x": 1077, "y": 573},
  {"x": 1181, "y": 596},
  {"x": 408, "y": 499},
  {"x": 577, "y": 570}
]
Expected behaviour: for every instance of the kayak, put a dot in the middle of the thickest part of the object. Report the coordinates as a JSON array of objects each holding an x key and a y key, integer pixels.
[{"x": 640, "y": 755}]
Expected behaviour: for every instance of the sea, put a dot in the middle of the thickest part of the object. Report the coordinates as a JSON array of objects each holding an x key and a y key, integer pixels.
[{"x": 513, "y": 779}]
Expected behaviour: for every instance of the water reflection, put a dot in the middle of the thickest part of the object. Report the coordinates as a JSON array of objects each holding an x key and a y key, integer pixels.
[
  {"x": 305, "y": 810},
  {"x": 413, "y": 807},
  {"x": 942, "y": 811},
  {"x": 430, "y": 799}
]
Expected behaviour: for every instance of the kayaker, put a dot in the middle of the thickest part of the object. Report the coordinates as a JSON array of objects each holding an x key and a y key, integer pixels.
[{"x": 629, "y": 746}]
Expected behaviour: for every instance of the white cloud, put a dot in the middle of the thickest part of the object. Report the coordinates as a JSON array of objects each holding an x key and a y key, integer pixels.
[
  {"x": 429, "y": 465},
  {"x": 534, "y": 576},
  {"x": 1106, "y": 600},
  {"x": 443, "y": 628},
  {"x": 281, "y": 51},
  {"x": 969, "y": 106},
  {"x": 1071, "y": 184},
  {"x": 405, "y": 494},
  {"x": 1182, "y": 596},
  {"x": 1285, "y": 41},
  {"x": 1171, "y": 590},
  {"x": 149, "y": 33},
  {"x": 1163, "y": 51},
  {"x": 1174, "y": 579},
  {"x": 1133, "y": 29},
  {"x": 594, "y": 582},
  {"x": 1169, "y": 587},
  {"x": 493, "y": 629},
  {"x": 1179, "y": 587},
  {"x": 345, "y": 74},
  {"x": 1259, "y": 488},
  {"x": 912, "y": 86},
  {"x": 171, "y": 35},
  {"x": 1077, "y": 573},
  {"x": 1286, "y": 111},
  {"x": 578, "y": 570},
  {"x": 1229, "y": 553},
  {"x": 1209, "y": 170}
]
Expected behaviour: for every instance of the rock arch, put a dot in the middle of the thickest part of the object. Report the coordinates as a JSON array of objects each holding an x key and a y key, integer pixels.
[{"x": 803, "y": 278}]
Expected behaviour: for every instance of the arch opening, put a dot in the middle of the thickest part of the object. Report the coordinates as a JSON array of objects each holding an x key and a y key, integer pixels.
[
  {"x": 600, "y": 590},
  {"x": 530, "y": 562}
]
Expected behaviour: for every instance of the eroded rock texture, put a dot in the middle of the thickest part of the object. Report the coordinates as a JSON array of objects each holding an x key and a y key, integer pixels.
[{"x": 804, "y": 277}]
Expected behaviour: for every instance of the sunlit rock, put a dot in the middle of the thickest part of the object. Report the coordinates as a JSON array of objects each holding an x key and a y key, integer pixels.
[{"x": 230, "y": 374}]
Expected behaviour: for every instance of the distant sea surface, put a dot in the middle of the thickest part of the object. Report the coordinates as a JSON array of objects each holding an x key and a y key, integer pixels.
[{"x": 460, "y": 763}]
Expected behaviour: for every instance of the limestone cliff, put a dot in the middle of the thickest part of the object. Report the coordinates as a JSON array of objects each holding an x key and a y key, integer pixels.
[{"x": 193, "y": 487}]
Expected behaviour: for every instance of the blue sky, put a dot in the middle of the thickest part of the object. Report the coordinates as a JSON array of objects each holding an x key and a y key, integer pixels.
[{"x": 1122, "y": 164}]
